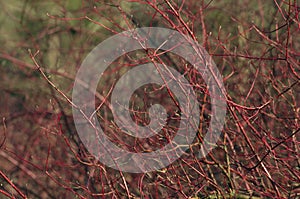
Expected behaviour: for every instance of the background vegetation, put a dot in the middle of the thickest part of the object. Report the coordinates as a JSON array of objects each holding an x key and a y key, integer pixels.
[{"x": 256, "y": 46}]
